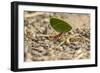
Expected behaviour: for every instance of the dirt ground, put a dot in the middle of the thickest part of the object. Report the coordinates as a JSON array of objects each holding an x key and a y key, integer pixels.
[{"x": 38, "y": 46}]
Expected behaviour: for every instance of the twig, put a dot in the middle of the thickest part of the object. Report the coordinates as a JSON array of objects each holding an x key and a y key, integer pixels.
[
  {"x": 33, "y": 14},
  {"x": 60, "y": 44},
  {"x": 34, "y": 35}
]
